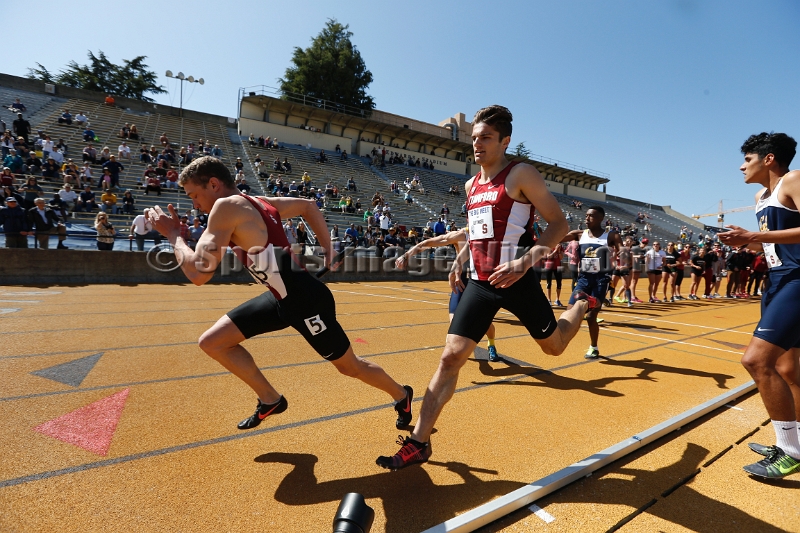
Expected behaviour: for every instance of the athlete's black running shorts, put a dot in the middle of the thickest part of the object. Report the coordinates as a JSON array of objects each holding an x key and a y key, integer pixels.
[
  {"x": 480, "y": 302},
  {"x": 621, "y": 272},
  {"x": 310, "y": 309}
]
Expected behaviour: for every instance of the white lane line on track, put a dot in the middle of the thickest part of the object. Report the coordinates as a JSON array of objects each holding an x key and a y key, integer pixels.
[
  {"x": 20, "y": 301},
  {"x": 429, "y": 291},
  {"x": 28, "y": 293},
  {"x": 733, "y": 407},
  {"x": 387, "y": 296},
  {"x": 6, "y": 310},
  {"x": 673, "y": 341},
  {"x": 541, "y": 513},
  {"x": 677, "y": 323}
]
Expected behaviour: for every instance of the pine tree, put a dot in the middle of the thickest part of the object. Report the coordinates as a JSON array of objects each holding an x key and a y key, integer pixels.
[{"x": 330, "y": 69}]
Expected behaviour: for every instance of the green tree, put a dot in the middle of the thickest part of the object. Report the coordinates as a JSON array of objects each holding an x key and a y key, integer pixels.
[
  {"x": 522, "y": 151},
  {"x": 330, "y": 69},
  {"x": 130, "y": 80}
]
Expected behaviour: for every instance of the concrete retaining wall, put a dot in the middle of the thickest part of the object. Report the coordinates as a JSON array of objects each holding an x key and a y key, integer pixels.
[{"x": 84, "y": 267}]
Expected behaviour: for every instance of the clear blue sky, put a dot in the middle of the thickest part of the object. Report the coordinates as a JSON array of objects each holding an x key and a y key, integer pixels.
[{"x": 660, "y": 94}]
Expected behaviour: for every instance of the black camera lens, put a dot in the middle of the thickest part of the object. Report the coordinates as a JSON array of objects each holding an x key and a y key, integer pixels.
[{"x": 353, "y": 515}]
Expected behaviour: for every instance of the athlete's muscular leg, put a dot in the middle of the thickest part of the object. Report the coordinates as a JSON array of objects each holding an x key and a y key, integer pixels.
[
  {"x": 634, "y": 281},
  {"x": 788, "y": 366},
  {"x": 594, "y": 328},
  {"x": 491, "y": 331},
  {"x": 442, "y": 385},
  {"x": 665, "y": 280},
  {"x": 369, "y": 373},
  {"x": 222, "y": 342},
  {"x": 761, "y": 360},
  {"x": 568, "y": 325}
]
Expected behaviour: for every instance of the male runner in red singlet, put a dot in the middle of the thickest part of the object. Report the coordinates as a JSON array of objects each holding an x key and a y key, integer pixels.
[
  {"x": 501, "y": 200},
  {"x": 252, "y": 227}
]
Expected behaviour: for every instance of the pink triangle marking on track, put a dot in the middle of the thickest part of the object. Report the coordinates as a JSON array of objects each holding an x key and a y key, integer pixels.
[
  {"x": 90, "y": 427},
  {"x": 362, "y": 341}
]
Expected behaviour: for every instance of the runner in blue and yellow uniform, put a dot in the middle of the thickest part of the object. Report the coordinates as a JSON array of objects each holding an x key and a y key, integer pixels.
[{"x": 773, "y": 355}]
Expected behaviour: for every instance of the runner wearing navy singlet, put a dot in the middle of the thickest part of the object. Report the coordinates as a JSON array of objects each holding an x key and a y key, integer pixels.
[
  {"x": 500, "y": 209},
  {"x": 252, "y": 227},
  {"x": 598, "y": 250},
  {"x": 773, "y": 356}
]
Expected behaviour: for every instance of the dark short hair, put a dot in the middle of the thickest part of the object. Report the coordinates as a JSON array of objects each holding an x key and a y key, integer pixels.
[
  {"x": 203, "y": 169},
  {"x": 598, "y": 208},
  {"x": 496, "y": 116},
  {"x": 779, "y": 145}
]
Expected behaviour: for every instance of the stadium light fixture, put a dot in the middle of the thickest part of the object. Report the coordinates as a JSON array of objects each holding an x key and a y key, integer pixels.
[{"x": 183, "y": 78}]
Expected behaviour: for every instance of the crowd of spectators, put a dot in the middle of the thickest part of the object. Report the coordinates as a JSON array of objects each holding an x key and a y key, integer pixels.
[{"x": 382, "y": 157}]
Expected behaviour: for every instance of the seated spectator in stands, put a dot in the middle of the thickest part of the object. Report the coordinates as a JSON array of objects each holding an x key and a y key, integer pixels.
[
  {"x": 170, "y": 153},
  {"x": 171, "y": 181},
  {"x": 17, "y": 106},
  {"x": 164, "y": 140},
  {"x": 22, "y": 148},
  {"x": 268, "y": 142},
  {"x": 47, "y": 147},
  {"x": 124, "y": 151},
  {"x": 394, "y": 188},
  {"x": 276, "y": 165},
  {"x": 6, "y": 144},
  {"x": 105, "y": 232},
  {"x": 71, "y": 176},
  {"x": 65, "y": 118},
  {"x": 33, "y": 163},
  {"x": 133, "y": 133},
  {"x": 243, "y": 186},
  {"x": 7, "y": 192},
  {"x": 128, "y": 203},
  {"x": 216, "y": 151},
  {"x": 30, "y": 191},
  {"x": 293, "y": 190},
  {"x": 343, "y": 204},
  {"x": 153, "y": 184},
  {"x": 108, "y": 201},
  {"x": 59, "y": 207},
  {"x": 351, "y": 184},
  {"x": 90, "y": 154},
  {"x": 69, "y": 196},
  {"x": 81, "y": 119},
  {"x": 321, "y": 157},
  {"x": 252, "y": 139},
  {"x": 338, "y": 149},
  {"x": 153, "y": 154},
  {"x": 105, "y": 156},
  {"x": 343, "y": 157},
  {"x": 407, "y": 197},
  {"x": 207, "y": 148},
  {"x": 87, "y": 173},
  {"x": 88, "y": 134},
  {"x": 115, "y": 167},
  {"x": 287, "y": 167},
  {"x": 7, "y": 178},
  {"x": 62, "y": 147},
  {"x": 445, "y": 211},
  {"x": 105, "y": 179},
  {"x": 195, "y": 231},
  {"x": 109, "y": 101},
  {"x": 124, "y": 131},
  {"x": 238, "y": 165},
  {"x": 184, "y": 156}
]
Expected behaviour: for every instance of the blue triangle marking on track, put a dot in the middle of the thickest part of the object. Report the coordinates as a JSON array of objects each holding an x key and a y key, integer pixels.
[{"x": 72, "y": 372}]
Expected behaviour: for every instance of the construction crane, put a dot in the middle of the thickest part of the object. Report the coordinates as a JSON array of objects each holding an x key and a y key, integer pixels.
[{"x": 722, "y": 212}]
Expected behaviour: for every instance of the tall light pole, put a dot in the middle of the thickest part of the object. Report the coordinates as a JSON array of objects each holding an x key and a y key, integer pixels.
[{"x": 183, "y": 78}]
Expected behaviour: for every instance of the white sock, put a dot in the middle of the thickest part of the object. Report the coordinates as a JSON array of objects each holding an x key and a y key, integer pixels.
[{"x": 787, "y": 438}]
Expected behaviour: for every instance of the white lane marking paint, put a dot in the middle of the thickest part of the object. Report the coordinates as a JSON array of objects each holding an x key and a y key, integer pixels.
[
  {"x": 541, "y": 513},
  {"x": 4, "y": 310},
  {"x": 673, "y": 341},
  {"x": 733, "y": 407},
  {"x": 387, "y": 296},
  {"x": 429, "y": 291},
  {"x": 20, "y": 301},
  {"x": 748, "y": 333},
  {"x": 29, "y": 293}
]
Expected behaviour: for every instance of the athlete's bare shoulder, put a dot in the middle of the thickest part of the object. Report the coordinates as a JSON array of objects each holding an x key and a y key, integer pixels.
[
  {"x": 790, "y": 189},
  {"x": 468, "y": 184}
]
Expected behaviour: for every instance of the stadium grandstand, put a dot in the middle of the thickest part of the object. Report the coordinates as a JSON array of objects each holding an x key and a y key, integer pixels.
[{"x": 430, "y": 162}]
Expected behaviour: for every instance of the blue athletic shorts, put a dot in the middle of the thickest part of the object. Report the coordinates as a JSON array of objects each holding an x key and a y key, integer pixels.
[
  {"x": 455, "y": 297},
  {"x": 592, "y": 284},
  {"x": 779, "y": 324}
]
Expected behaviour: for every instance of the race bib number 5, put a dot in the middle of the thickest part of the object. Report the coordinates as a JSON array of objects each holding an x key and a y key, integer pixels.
[
  {"x": 481, "y": 223},
  {"x": 315, "y": 325}
]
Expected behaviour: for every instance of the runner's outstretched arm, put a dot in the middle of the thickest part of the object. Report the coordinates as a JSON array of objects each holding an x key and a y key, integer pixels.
[{"x": 198, "y": 264}]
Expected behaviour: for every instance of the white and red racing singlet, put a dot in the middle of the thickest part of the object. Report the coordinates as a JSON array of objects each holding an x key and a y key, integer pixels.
[
  {"x": 270, "y": 265},
  {"x": 500, "y": 228}
]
